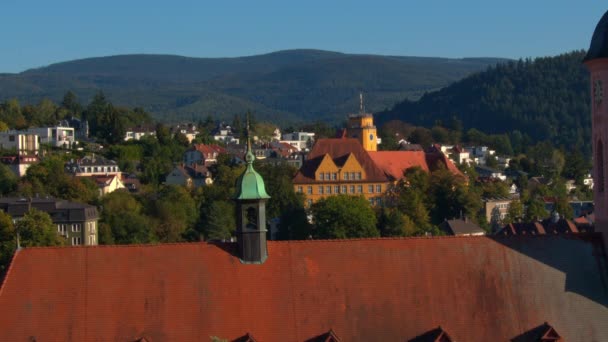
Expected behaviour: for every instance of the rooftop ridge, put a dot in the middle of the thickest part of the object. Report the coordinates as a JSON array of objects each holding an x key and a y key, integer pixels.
[{"x": 395, "y": 238}]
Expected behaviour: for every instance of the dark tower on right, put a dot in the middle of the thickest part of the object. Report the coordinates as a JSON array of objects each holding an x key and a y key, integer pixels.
[{"x": 597, "y": 63}]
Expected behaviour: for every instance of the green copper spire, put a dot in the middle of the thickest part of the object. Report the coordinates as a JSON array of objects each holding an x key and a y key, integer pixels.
[{"x": 250, "y": 184}]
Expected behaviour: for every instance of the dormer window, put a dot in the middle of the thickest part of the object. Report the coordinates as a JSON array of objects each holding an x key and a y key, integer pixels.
[{"x": 345, "y": 175}]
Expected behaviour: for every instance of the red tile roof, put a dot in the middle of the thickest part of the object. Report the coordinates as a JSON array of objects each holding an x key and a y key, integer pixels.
[
  {"x": 338, "y": 150},
  {"x": 476, "y": 288},
  {"x": 394, "y": 163}
]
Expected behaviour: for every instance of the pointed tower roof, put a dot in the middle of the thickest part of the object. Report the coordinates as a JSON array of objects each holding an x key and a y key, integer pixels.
[{"x": 250, "y": 185}]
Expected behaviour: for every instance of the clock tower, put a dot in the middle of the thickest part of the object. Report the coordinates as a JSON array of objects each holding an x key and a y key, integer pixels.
[
  {"x": 597, "y": 63},
  {"x": 361, "y": 127}
]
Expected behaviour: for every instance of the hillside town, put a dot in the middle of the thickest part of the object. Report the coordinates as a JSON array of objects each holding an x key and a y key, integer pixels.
[{"x": 116, "y": 225}]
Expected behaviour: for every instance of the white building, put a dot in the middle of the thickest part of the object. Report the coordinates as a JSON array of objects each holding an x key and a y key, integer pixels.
[
  {"x": 136, "y": 133},
  {"x": 22, "y": 144},
  {"x": 299, "y": 140},
  {"x": 93, "y": 166},
  {"x": 56, "y": 136}
]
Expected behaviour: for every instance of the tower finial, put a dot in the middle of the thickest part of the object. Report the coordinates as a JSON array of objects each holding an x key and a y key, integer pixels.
[
  {"x": 361, "y": 102},
  {"x": 249, "y": 157}
]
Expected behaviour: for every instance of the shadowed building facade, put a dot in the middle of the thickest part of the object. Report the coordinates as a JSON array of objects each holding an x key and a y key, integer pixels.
[{"x": 596, "y": 61}]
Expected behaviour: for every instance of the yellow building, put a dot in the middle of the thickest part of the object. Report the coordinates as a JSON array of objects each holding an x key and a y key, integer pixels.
[{"x": 342, "y": 166}]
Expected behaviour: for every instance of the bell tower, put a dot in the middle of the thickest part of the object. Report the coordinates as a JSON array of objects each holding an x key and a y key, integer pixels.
[
  {"x": 361, "y": 127},
  {"x": 596, "y": 61},
  {"x": 251, "y": 200}
]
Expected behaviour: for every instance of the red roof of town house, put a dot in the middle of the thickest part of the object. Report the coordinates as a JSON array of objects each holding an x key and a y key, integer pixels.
[
  {"x": 394, "y": 163},
  {"x": 338, "y": 150},
  {"x": 475, "y": 288},
  {"x": 207, "y": 150}
]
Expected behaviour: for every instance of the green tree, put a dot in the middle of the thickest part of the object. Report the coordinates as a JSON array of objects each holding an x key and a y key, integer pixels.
[
  {"x": 391, "y": 222},
  {"x": 535, "y": 210},
  {"x": 3, "y": 126},
  {"x": 8, "y": 180},
  {"x": 122, "y": 216},
  {"x": 220, "y": 221},
  {"x": 36, "y": 229},
  {"x": 8, "y": 242},
  {"x": 175, "y": 212},
  {"x": 70, "y": 104},
  {"x": 343, "y": 216},
  {"x": 515, "y": 212}
]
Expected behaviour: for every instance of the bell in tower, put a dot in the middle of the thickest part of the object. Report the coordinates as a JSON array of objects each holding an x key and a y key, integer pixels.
[{"x": 251, "y": 200}]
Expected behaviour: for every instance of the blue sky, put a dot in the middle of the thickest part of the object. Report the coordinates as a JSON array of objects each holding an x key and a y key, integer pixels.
[{"x": 38, "y": 33}]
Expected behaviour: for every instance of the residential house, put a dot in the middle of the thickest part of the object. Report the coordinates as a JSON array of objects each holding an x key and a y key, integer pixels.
[
  {"x": 495, "y": 209},
  {"x": 55, "y": 136},
  {"x": 108, "y": 184},
  {"x": 300, "y": 140},
  {"x": 588, "y": 181},
  {"x": 81, "y": 127},
  {"x": 131, "y": 182},
  {"x": 202, "y": 154},
  {"x": 459, "y": 227},
  {"x": 488, "y": 172},
  {"x": 75, "y": 221},
  {"x": 22, "y": 144},
  {"x": 459, "y": 155},
  {"x": 195, "y": 175},
  {"x": 138, "y": 132},
  {"x": 19, "y": 164},
  {"x": 93, "y": 165},
  {"x": 189, "y": 130},
  {"x": 225, "y": 134}
]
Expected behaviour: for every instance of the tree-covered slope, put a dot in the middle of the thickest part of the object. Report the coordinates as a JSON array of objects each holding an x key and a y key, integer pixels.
[
  {"x": 288, "y": 86},
  {"x": 546, "y": 99}
]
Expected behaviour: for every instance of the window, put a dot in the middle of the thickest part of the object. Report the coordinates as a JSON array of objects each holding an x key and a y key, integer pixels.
[
  {"x": 358, "y": 175},
  {"x": 337, "y": 189},
  {"x": 76, "y": 241},
  {"x": 76, "y": 227},
  {"x": 328, "y": 189},
  {"x": 379, "y": 188},
  {"x": 320, "y": 189},
  {"x": 299, "y": 188},
  {"x": 352, "y": 176},
  {"x": 352, "y": 189},
  {"x": 11, "y": 138},
  {"x": 359, "y": 189},
  {"x": 343, "y": 190},
  {"x": 370, "y": 189},
  {"x": 334, "y": 176},
  {"x": 92, "y": 240},
  {"x": 345, "y": 175},
  {"x": 326, "y": 175},
  {"x": 309, "y": 190},
  {"x": 321, "y": 176}
]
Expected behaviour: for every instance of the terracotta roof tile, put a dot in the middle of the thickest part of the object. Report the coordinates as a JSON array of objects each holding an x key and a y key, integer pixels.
[{"x": 477, "y": 288}]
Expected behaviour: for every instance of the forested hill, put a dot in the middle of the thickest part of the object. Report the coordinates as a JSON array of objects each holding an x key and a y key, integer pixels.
[
  {"x": 545, "y": 99},
  {"x": 284, "y": 86}
]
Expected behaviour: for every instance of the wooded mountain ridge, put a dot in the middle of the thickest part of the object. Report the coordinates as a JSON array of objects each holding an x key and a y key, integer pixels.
[
  {"x": 289, "y": 86},
  {"x": 546, "y": 99}
]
